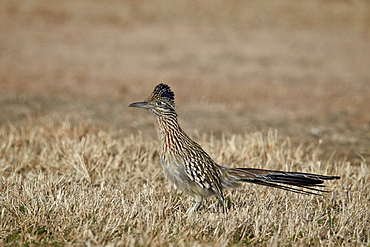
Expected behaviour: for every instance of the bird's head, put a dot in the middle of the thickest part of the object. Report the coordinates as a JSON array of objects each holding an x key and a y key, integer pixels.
[{"x": 160, "y": 102}]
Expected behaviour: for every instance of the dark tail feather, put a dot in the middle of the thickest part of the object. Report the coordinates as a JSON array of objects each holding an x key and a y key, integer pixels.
[{"x": 300, "y": 182}]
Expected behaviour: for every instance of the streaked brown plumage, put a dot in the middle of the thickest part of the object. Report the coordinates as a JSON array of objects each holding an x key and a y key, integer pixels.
[{"x": 191, "y": 169}]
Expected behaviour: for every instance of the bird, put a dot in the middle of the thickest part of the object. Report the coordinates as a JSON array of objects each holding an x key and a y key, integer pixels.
[{"x": 195, "y": 173}]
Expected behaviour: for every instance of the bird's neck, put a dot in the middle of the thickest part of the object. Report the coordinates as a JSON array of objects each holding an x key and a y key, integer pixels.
[{"x": 170, "y": 132}]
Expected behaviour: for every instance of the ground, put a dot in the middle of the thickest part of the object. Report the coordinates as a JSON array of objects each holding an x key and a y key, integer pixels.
[{"x": 292, "y": 73}]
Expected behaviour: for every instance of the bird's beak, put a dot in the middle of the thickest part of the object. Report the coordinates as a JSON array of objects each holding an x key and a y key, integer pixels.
[{"x": 140, "y": 105}]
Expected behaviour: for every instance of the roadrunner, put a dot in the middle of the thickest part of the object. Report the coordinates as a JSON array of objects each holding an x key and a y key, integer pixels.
[{"x": 193, "y": 171}]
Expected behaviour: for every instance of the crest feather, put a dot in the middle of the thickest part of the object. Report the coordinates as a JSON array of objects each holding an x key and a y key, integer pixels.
[{"x": 164, "y": 92}]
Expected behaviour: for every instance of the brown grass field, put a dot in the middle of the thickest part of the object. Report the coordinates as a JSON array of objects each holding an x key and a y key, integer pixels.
[{"x": 281, "y": 85}]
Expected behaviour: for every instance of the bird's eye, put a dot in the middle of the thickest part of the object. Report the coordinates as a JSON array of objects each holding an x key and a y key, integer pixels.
[{"x": 159, "y": 103}]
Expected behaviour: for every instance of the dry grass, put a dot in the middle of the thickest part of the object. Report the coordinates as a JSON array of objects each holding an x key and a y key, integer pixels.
[
  {"x": 72, "y": 171},
  {"x": 64, "y": 183}
]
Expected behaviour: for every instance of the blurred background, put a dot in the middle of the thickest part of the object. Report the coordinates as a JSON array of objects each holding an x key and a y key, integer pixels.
[{"x": 238, "y": 66}]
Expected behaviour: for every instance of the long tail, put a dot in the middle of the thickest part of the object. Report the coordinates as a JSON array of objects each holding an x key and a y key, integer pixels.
[{"x": 297, "y": 182}]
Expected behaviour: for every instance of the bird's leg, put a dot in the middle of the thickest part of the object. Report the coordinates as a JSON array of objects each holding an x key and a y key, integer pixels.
[
  {"x": 196, "y": 204},
  {"x": 224, "y": 204}
]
